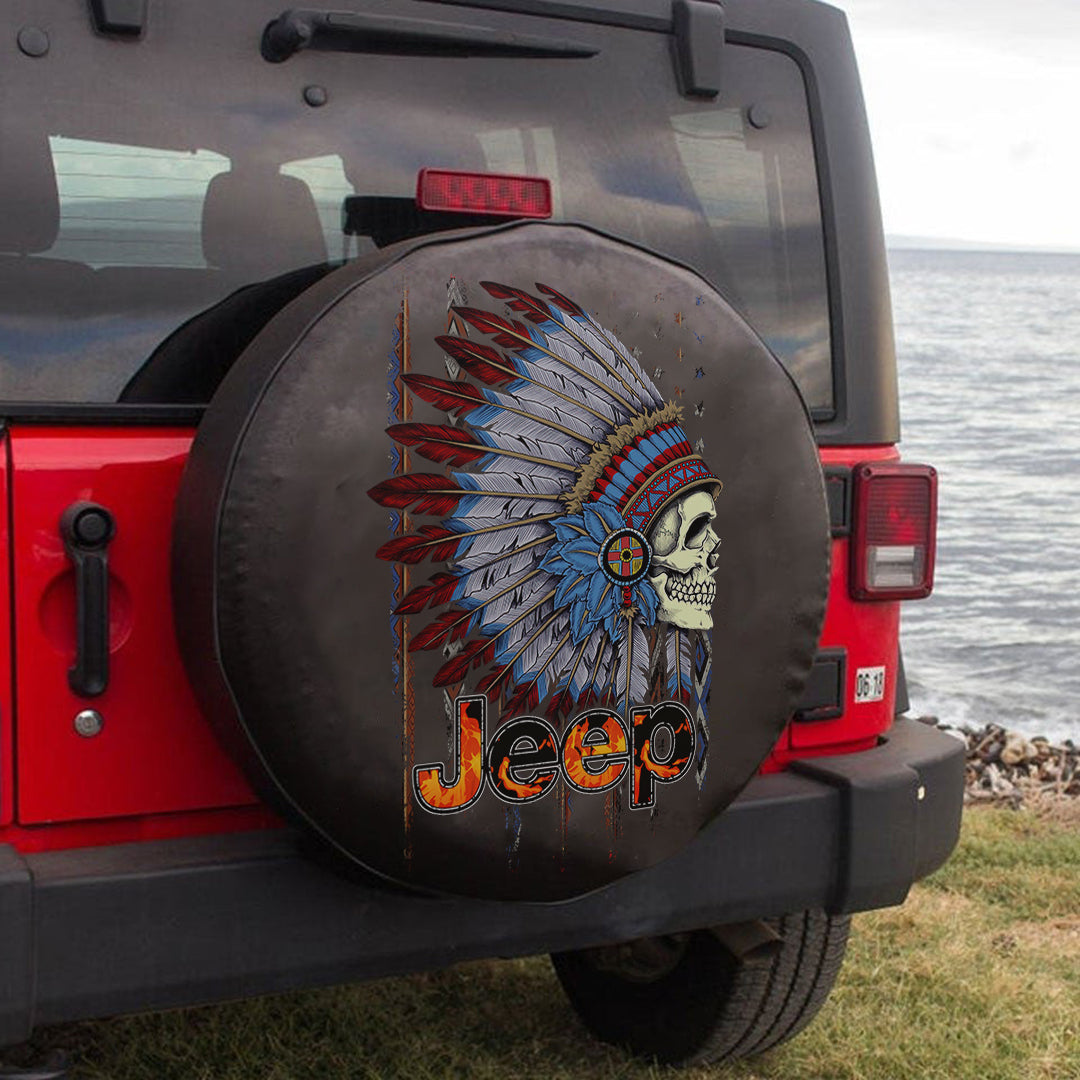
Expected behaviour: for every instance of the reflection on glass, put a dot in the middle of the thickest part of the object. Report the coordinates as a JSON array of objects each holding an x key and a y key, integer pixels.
[{"x": 180, "y": 212}]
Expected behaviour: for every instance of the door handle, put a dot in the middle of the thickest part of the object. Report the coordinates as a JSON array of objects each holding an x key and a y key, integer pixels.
[{"x": 87, "y": 529}]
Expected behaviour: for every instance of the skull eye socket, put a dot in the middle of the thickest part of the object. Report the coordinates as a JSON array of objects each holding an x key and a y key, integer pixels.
[{"x": 695, "y": 535}]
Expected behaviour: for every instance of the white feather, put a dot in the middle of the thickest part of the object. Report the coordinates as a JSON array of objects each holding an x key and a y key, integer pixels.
[
  {"x": 504, "y": 565},
  {"x": 627, "y": 364},
  {"x": 499, "y": 541},
  {"x": 612, "y": 357},
  {"x": 556, "y": 376},
  {"x": 506, "y": 507},
  {"x": 632, "y": 675},
  {"x": 518, "y": 634},
  {"x": 679, "y": 662},
  {"x": 513, "y": 481},
  {"x": 538, "y": 651},
  {"x": 562, "y": 658},
  {"x": 605, "y": 654},
  {"x": 503, "y": 610},
  {"x": 579, "y": 681},
  {"x": 574, "y": 357},
  {"x": 540, "y": 402},
  {"x": 533, "y": 468},
  {"x": 525, "y": 436}
]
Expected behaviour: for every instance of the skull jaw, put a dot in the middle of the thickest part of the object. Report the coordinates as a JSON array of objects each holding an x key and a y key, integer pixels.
[{"x": 684, "y": 615}]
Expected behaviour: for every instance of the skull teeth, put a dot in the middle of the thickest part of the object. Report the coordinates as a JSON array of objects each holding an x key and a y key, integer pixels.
[{"x": 700, "y": 593}]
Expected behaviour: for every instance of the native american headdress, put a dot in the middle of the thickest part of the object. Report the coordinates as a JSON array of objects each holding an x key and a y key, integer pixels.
[{"x": 573, "y": 457}]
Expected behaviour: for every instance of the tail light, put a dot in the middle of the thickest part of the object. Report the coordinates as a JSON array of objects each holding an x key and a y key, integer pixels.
[
  {"x": 483, "y": 193},
  {"x": 895, "y": 532}
]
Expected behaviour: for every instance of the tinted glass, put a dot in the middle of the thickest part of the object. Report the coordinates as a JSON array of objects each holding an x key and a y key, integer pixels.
[{"x": 147, "y": 183}]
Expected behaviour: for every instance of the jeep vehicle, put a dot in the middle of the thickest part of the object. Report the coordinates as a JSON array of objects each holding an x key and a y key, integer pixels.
[{"x": 453, "y": 509}]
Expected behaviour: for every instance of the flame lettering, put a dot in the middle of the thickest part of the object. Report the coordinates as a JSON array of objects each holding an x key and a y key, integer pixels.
[
  {"x": 582, "y": 746},
  {"x": 429, "y": 781}
]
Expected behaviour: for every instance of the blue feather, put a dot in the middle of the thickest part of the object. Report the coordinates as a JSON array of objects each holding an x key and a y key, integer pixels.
[
  {"x": 555, "y": 563},
  {"x": 619, "y": 484},
  {"x": 483, "y": 415},
  {"x": 667, "y": 439},
  {"x": 567, "y": 529},
  {"x": 583, "y": 620},
  {"x": 611, "y": 517},
  {"x": 600, "y": 590},
  {"x": 581, "y": 558},
  {"x": 594, "y": 523},
  {"x": 647, "y": 600},
  {"x": 639, "y": 459},
  {"x": 571, "y": 587}
]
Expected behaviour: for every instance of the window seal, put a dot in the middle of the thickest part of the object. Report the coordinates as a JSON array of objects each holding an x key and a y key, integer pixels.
[{"x": 76, "y": 413}]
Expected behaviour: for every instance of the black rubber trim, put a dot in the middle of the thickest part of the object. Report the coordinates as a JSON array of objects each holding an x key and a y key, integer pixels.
[
  {"x": 124, "y": 18},
  {"x": 897, "y": 813},
  {"x": 903, "y": 703},
  {"x": 45, "y": 412},
  {"x": 823, "y": 695},
  {"x": 633, "y": 15},
  {"x": 838, "y": 493},
  {"x": 172, "y": 923}
]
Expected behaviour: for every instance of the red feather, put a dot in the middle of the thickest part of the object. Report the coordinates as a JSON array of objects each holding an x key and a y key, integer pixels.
[
  {"x": 561, "y": 704},
  {"x": 459, "y": 397},
  {"x": 432, "y": 493},
  {"x": 534, "y": 310},
  {"x": 431, "y": 540},
  {"x": 456, "y": 668},
  {"x": 439, "y": 591},
  {"x": 451, "y": 625},
  {"x": 492, "y": 679},
  {"x": 438, "y": 442},
  {"x": 524, "y": 701},
  {"x": 509, "y": 335},
  {"x": 562, "y": 302},
  {"x": 481, "y": 361},
  {"x": 487, "y": 657}
]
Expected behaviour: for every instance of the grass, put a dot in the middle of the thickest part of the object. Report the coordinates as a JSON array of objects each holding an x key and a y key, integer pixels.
[{"x": 976, "y": 977}]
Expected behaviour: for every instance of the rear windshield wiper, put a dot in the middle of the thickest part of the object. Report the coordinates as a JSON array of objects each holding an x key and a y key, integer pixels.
[{"x": 343, "y": 31}]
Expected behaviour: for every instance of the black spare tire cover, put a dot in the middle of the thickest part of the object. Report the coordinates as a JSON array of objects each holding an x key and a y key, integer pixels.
[{"x": 500, "y": 559}]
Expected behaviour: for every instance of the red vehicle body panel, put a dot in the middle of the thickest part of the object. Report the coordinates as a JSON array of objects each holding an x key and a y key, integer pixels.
[
  {"x": 7, "y": 728},
  {"x": 156, "y": 770},
  {"x": 155, "y": 754},
  {"x": 868, "y": 632}
]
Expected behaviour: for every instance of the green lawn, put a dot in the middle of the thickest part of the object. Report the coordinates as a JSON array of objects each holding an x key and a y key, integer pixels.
[{"x": 977, "y": 976}]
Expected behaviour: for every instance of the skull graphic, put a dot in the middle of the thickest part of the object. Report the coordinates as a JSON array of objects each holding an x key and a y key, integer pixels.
[{"x": 684, "y": 561}]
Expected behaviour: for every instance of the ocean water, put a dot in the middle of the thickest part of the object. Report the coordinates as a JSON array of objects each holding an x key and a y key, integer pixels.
[{"x": 988, "y": 347}]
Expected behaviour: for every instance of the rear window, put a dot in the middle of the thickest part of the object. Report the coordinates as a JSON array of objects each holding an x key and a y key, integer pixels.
[{"x": 196, "y": 179}]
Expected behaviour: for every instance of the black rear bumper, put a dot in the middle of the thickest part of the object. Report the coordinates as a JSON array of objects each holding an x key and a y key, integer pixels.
[{"x": 99, "y": 931}]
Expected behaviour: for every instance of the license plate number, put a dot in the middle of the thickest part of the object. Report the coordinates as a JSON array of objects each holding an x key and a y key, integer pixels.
[{"x": 869, "y": 684}]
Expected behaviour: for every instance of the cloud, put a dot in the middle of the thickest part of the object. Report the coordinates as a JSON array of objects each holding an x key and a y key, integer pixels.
[
  {"x": 971, "y": 110},
  {"x": 1039, "y": 30}
]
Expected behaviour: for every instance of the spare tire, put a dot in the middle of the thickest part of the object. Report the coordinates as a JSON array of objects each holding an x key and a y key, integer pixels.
[{"x": 619, "y": 489}]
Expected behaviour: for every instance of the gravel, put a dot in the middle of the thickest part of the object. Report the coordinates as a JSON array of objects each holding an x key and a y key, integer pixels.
[{"x": 1005, "y": 766}]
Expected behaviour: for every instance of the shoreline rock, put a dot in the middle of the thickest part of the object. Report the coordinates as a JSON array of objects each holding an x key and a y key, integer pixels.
[{"x": 1009, "y": 767}]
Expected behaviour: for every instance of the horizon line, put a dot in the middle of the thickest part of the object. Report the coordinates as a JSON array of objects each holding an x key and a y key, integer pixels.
[{"x": 902, "y": 241}]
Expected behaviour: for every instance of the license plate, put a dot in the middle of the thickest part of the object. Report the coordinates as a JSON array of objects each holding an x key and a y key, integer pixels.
[{"x": 869, "y": 684}]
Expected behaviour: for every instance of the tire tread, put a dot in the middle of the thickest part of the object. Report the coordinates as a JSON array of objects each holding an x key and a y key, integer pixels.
[{"x": 758, "y": 1003}]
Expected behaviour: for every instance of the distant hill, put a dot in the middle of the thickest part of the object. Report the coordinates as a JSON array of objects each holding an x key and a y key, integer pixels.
[{"x": 944, "y": 243}]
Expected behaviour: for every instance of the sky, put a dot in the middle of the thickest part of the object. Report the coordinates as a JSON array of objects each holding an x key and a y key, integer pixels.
[{"x": 974, "y": 109}]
